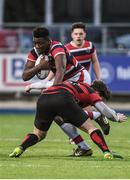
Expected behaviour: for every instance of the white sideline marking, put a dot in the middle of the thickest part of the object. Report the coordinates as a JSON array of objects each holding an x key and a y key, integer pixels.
[
  {"x": 62, "y": 140},
  {"x": 25, "y": 165},
  {"x": 44, "y": 165},
  {"x": 47, "y": 140},
  {"x": 65, "y": 179}
]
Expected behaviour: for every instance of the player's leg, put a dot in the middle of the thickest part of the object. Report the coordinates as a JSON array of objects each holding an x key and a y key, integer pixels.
[
  {"x": 29, "y": 140},
  {"x": 82, "y": 120},
  {"x": 71, "y": 131},
  {"x": 41, "y": 126},
  {"x": 97, "y": 137},
  {"x": 83, "y": 148}
]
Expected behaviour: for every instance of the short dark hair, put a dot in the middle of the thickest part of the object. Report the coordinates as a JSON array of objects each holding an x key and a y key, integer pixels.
[
  {"x": 102, "y": 88},
  {"x": 78, "y": 25},
  {"x": 40, "y": 32}
]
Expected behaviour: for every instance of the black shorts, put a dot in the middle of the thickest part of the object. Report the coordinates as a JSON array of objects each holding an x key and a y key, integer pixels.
[{"x": 62, "y": 104}]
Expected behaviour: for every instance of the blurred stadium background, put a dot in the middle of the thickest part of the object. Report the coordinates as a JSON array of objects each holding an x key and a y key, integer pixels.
[{"x": 108, "y": 27}]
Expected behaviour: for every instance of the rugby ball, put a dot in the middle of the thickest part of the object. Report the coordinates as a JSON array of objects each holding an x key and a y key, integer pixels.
[{"x": 42, "y": 74}]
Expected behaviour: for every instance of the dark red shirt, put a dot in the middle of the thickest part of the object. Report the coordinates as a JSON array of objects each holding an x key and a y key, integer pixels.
[{"x": 82, "y": 92}]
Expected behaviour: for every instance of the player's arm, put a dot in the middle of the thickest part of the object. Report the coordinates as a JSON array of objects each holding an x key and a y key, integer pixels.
[
  {"x": 38, "y": 85},
  {"x": 31, "y": 70},
  {"x": 42, "y": 84},
  {"x": 109, "y": 113},
  {"x": 60, "y": 64},
  {"x": 96, "y": 65}
]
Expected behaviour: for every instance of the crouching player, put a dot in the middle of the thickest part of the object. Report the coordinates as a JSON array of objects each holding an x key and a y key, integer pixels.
[{"x": 53, "y": 102}]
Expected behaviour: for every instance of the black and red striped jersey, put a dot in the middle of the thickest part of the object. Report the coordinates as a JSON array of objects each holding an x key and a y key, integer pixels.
[
  {"x": 82, "y": 92},
  {"x": 83, "y": 54},
  {"x": 56, "y": 48}
]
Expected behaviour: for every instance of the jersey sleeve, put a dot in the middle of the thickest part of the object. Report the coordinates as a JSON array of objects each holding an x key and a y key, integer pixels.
[
  {"x": 95, "y": 98},
  {"x": 56, "y": 50}
]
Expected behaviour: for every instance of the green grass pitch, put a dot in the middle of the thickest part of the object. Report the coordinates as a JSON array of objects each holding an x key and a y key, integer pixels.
[{"x": 50, "y": 158}]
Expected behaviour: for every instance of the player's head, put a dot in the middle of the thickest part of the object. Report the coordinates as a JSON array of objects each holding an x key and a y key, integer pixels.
[
  {"x": 103, "y": 90},
  {"x": 41, "y": 39},
  {"x": 78, "y": 33}
]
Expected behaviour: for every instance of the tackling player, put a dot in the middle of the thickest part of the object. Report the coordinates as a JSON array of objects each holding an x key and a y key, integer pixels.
[{"x": 53, "y": 102}]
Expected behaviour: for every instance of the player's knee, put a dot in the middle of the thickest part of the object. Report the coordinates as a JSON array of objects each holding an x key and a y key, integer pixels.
[
  {"x": 88, "y": 126},
  {"x": 59, "y": 121},
  {"x": 40, "y": 134},
  {"x": 92, "y": 130}
]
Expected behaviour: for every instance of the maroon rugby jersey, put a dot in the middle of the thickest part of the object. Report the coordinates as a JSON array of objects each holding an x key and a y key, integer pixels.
[
  {"x": 56, "y": 48},
  {"x": 82, "y": 92},
  {"x": 83, "y": 54}
]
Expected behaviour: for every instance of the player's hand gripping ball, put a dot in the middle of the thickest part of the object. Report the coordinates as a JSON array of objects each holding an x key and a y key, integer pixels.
[{"x": 42, "y": 74}]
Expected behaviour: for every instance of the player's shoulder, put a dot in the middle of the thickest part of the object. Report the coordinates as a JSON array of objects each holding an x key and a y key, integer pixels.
[
  {"x": 70, "y": 46},
  {"x": 89, "y": 44},
  {"x": 54, "y": 42},
  {"x": 56, "y": 48},
  {"x": 67, "y": 44}
]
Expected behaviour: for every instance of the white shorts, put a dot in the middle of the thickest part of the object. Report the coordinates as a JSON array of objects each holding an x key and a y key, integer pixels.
[{"x": 82, "y": 76}]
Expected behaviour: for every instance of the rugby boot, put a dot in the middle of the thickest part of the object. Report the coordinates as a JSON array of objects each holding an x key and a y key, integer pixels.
[
  {"x": 116, "y": 155},
  {"x": 82, "y": 152},
  {"x": 17, "y": 152},
  {"x": 108, "y": 155}
]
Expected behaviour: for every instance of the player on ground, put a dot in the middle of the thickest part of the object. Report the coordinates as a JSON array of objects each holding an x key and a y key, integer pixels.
[{"x": 53, "y": 102}]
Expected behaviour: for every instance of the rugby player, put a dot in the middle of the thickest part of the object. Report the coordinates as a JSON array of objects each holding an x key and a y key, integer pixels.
[
  {"x": 53, "y": 102},
  {"x": 83, "y": 50},
  {"x": 62, "y": 64}
]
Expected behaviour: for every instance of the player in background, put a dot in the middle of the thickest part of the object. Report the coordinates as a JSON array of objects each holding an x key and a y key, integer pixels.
[
  {"x": 83, "y": 50},
  {"x": 55, "y": 57},
  {"x": 53, "y": 102}
]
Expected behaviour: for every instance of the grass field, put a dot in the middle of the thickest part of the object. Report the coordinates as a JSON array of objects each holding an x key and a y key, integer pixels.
[{"x": 49, "y": 158}]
